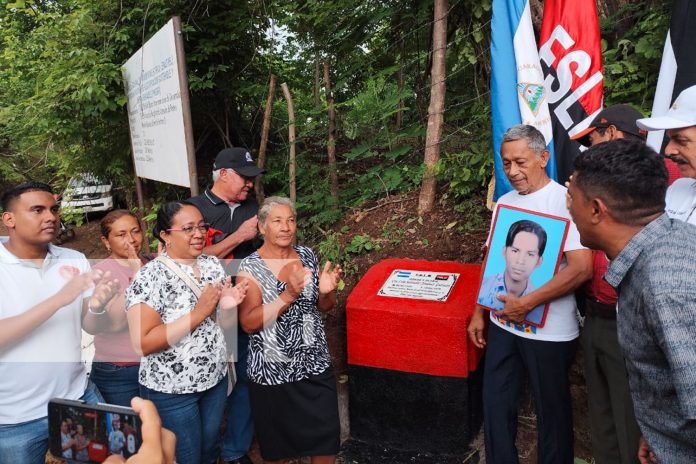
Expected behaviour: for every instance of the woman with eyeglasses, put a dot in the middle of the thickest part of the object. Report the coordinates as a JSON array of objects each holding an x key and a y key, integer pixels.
[{"x": 176, "y": 307}]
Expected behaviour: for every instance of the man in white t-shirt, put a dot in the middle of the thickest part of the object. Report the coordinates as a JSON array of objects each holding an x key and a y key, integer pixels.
[
  {"x": 516, "y": 349},
  {"x": 680, "y": 124},
  {"x": 46, "y": 294}
]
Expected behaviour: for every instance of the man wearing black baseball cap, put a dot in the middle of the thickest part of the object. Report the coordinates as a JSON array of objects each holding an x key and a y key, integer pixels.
[
  {"x": 613, "y": 122},
  {"x": 227, "y": 206},
  {"x": 613, "y": 426},
  {"x": 231, "y": 213}
]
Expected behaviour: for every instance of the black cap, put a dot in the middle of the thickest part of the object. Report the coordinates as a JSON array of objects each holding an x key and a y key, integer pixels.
[
  {"x": 239, "y": 160},
  {"x": 623, "y": 117}
]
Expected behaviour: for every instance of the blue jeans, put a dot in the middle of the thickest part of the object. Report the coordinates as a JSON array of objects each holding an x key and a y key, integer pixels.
[
  {"x": 195, "y": 419},
  {"x": 236, "y": 440},
  {"x": 118, "y": 384},
  {"x": 27, "y": 443}
]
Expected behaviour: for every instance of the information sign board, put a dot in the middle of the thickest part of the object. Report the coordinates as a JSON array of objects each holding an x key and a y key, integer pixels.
[{"x": 155, "y": 110}]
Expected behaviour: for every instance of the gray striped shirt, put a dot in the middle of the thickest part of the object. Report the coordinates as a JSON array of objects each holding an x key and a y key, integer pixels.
[{"x": 655, "y": 275}]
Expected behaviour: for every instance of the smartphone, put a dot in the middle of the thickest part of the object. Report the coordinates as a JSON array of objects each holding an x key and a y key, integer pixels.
[{"x": 79, "y": 432}]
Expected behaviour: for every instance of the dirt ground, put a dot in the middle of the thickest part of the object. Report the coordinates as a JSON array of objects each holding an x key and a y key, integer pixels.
[{"x": 444, "y": 235}]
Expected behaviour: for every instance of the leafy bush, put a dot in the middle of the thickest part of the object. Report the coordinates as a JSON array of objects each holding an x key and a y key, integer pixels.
[
  {"x": 361, "y": 244},
  {"x": 632, "y": 61}
]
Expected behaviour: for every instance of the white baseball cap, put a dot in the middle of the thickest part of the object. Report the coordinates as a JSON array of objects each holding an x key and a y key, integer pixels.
[{"x": 681, "y": 114}]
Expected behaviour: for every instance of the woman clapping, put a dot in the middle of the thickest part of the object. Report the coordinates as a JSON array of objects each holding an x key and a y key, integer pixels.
[
  {"x": 174, "y": 307},
  {"x": 115, "y": 366},
  {"x": 292, "y": 384}
]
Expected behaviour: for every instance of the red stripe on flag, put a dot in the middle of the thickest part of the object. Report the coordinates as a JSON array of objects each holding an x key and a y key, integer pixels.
[{"x": 573, "y": 27}]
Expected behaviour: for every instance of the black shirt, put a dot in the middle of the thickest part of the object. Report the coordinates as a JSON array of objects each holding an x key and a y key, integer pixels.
[{"x": 225, "y": 220}]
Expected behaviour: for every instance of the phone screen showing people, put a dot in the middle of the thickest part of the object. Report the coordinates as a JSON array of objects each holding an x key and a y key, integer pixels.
[{"x": 91, "y": 433}]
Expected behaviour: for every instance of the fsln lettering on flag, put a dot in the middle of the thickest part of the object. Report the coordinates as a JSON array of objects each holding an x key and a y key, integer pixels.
[{"x": 571, "y": 58}]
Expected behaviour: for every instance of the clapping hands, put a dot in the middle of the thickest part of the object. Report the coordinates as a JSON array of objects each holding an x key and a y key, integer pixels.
[
  {"x": 231, "y": 297},
  {"x": 298, "y": 278},
  {"x": 330, "y": 279}
]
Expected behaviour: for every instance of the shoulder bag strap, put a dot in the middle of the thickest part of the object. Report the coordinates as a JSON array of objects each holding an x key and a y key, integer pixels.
[{"x": 167, "y": 261}]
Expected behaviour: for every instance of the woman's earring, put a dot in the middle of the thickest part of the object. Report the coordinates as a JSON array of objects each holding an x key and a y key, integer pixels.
[{"x": 167, "y": 244}]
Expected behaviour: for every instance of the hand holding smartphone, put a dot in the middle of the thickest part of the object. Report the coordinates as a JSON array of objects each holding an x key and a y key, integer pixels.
[{"x": 82, "y": 433}]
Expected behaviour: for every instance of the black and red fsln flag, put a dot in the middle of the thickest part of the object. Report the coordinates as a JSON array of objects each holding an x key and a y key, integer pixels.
[{"x": 571, "y": 59}]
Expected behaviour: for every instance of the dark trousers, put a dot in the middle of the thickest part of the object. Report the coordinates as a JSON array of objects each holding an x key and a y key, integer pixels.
[
  {"x": 613, "y": 426},
  {"x": 236, "y": 440},
  {"x": 509, "y": 358}
]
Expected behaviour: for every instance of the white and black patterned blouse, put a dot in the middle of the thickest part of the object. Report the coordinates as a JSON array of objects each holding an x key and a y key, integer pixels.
[
  {"x": 198, "y": 361},
  {"x": 294, "y": 346}
]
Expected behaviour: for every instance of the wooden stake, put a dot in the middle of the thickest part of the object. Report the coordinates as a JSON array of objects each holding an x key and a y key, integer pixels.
[
  {"x": 291, "y": 139},
  {"x": 400, "y": 85},
  {"x": 317, "y": 76},
  {"x": 258, "y": 186},
  {"x": 186, "y": 106}
]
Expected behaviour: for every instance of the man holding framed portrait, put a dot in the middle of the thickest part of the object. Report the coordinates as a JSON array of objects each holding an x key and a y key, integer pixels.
[
  {"x": 515, "y": 348},
  {"x": 532, "y": 255}
]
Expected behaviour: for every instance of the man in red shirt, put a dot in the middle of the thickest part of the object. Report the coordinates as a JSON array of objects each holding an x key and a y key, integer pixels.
[{"x": 613, "y": 426}]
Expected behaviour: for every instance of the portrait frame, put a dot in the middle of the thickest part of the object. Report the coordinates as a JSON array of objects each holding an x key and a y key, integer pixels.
[{"x": 530, "y": 272}]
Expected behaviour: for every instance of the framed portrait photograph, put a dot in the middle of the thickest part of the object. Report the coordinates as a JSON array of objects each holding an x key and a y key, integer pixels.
[{"x": 524, "y": 253}]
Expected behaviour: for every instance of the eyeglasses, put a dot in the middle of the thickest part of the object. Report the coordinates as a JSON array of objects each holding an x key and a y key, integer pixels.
[{"x": 189, "y": 230}]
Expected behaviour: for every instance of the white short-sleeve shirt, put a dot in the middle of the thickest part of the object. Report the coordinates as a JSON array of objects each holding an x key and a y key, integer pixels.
[
  {"x": 680, "y": 202},
  {"x": 561, "y": 321},
  {"x": 46, "y": 363}
]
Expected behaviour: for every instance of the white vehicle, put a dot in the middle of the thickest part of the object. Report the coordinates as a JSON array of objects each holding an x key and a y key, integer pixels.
[{"x": 87, "y": 193}]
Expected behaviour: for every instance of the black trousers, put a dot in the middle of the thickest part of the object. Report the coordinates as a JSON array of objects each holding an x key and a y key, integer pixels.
[
  {"x": 509, "y": 358},
  {"x": 614, "y": 430}
]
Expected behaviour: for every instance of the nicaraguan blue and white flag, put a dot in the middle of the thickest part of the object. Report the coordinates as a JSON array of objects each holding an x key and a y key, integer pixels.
[{"x": 517, "y": 82}]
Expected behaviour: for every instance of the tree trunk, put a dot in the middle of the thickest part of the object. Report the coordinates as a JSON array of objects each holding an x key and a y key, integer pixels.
[
  {"x": 291, "y": 140},
  {"x": 537, "y": 13},
  {"x": 258, "y": 186},
  {"x": 317, "y": 77},
  {"x": 331, "y": 143},
  {"x": 436, "y": 109}
]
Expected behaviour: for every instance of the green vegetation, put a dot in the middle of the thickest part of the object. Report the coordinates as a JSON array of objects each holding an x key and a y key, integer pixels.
[{"x": 62, "y": 104}]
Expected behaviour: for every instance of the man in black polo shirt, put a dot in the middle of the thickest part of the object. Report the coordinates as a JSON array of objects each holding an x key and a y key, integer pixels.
[
  {"x": 226, "y": 206},
  {"x": 232, "y": 217}
]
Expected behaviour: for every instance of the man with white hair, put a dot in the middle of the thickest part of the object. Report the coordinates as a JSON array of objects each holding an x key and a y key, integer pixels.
[
  {"x": 516, "y": 350},
  {"x": 231, "y": 213},
  {"x": 680, "y": 124}
]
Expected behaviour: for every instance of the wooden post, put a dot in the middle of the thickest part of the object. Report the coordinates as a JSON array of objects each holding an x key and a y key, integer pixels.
[
  {"x": 141, "y": 207},
  {"x": 291, "y": 139},
  {"x": 258, "y": 186},
  {"x": 186, "y": 106},
  {"x": 331, "y": 142},
  {"x": 436, "y": 109}
]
